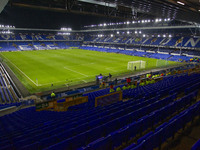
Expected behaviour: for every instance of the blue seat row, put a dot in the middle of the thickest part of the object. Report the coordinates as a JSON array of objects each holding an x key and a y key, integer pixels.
[
  {"x": 196, "y": 146},
  {"x": 161, "y": 134},
  {"x": 114, "y": 120},
  {"x": 131, "y": 130}
]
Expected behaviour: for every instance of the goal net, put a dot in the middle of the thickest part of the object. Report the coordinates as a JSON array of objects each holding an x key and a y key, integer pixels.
[
  {"x": 136, "y": 64},
  {"x": 161, "y": 62}
]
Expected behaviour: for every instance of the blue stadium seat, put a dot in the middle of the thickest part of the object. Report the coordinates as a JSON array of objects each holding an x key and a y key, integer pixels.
[
  {"x": 143, "y": 138},
  {"x": 48, "y": 141},
  {"x": 33, "y": 146},
  {"x": 100, "y": 144},
  {"x": 138, "y": 147},
  {"x": 130, "y": 147},
  {"x": 196, "y": 146}
]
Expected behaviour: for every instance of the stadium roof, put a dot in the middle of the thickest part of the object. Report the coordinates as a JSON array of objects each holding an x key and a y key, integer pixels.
[
  {"x": 3, "y": 3},
  {"x": 54, "y": 14},
  {"x": 188, "y": 10},
  {"x": 114, "y": 29}
]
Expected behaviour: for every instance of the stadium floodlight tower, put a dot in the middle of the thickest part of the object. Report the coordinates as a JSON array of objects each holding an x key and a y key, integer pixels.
[{"x": 132, "y": 65}]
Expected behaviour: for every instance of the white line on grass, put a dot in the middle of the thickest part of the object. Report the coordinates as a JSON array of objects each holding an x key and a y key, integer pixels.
[
  {"x": 52, "y": 83},
  {"x": 76, "y": 72},
  {"x": 49, "y": 82},
  {"x": 111, "y": 70},
  {"x": 58, "y": 81},
  {"x": 65, "y": 81},
  {"x": 80, "y": 65},
  {"x": 21, "y": 71},
  {"x": 84, "y": 81}
]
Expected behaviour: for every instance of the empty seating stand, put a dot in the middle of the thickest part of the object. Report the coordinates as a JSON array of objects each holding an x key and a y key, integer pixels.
[{"x": 101, "y": 127}]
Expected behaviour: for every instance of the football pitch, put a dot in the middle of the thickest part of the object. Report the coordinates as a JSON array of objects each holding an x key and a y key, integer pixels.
[{"x": 38, "y": 70}]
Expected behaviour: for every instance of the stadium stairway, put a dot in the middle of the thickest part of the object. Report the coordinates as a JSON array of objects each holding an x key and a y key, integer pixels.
[
  {"x": 99, "y": 126},
  {"x": 7, "y": 92},
  {"x": 170, "y": 57}
]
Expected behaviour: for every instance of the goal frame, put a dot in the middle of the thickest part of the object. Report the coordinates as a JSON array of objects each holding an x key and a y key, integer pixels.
[
  {"x": 165, "y": 61},
  {"x": 131, "y": 66}
]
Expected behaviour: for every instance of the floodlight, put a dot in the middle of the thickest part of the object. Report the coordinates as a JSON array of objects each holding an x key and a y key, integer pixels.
[{"x": 181, "y": 3}]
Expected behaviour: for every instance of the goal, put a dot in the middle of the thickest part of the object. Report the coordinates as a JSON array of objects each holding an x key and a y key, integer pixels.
[
  {"x": 161, "y": 63},
  {"x": 138, "y": 64}
]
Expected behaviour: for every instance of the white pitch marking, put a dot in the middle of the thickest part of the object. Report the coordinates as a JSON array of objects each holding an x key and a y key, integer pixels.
[
  {"x": 21, "y": 71},
  {"x": 81, "y": 65},
  {"x": 76, "y": 72},
  {"x": 64, "y": 81},
  {"x": 111, "y": 70},
  {"x": 84, "y": 81}
]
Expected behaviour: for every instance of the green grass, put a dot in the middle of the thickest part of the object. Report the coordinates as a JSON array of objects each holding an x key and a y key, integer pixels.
[{"x": 72, "y": 66}]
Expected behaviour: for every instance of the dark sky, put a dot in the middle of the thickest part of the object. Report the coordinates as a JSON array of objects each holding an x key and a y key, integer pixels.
[{"x": 35, "y": 18}]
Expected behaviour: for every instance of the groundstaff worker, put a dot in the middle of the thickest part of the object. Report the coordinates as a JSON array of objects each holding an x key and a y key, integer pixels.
[{"x": 53, "y": 95}]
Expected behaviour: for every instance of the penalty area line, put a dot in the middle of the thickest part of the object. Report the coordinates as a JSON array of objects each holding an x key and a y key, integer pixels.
[
  {"x": 111, "y": 69},
  {"x": 84, "y": 81},
  {"x": 76, "y": 72},
  {"x": 64, "y": 81}
]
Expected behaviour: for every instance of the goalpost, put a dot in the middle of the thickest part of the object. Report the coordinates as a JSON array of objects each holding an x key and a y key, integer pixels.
[
  {"x": 140, "y": 64},
  {"x": 161, "y": 62}
]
